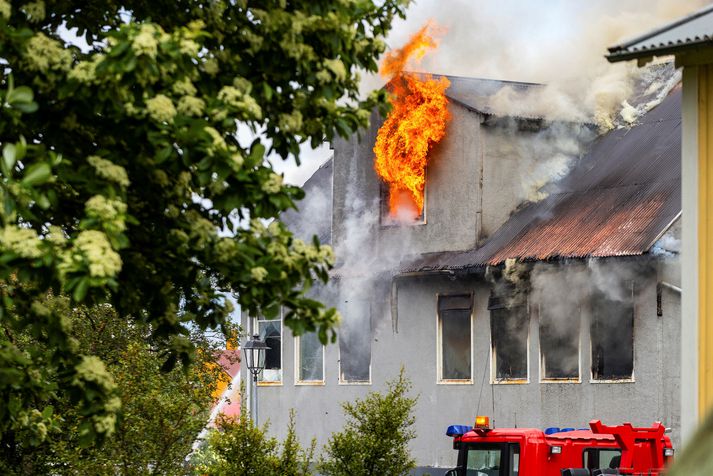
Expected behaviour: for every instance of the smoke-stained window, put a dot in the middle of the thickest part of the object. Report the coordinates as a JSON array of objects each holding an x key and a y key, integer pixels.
[
  {"x": 398, "y": 207},
  {"x": 355, "y": 342},
  {"x": 454, "y": 332},
  {"x": 559, "y": 343},
  {"x": 271, "y": 333},
  {"x": 310, "y": 358},
  {"x": 509, "y": 331},
  {"x": 612, "y": 334}
]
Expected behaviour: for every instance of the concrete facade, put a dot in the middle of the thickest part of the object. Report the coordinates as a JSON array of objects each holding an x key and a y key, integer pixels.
[{"x": 473, "y": 185}]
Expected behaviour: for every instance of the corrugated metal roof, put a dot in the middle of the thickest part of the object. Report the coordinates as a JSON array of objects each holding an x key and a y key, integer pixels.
[
  {"x": 692, "y": 31},
  {"x": 617, "y": 201}
]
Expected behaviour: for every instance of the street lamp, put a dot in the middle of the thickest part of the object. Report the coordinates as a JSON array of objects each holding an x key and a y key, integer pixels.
[{"x": 254, "y": 350}]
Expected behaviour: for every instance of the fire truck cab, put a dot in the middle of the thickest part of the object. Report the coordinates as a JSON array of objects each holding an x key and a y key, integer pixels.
[{"x": 600, "y": 449}]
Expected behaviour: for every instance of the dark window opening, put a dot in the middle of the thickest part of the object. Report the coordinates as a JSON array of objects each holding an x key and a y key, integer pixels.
[
  {"x": 454, "y": 315},
  {"x": 509, "y": 330},
  {"x": 559, "y": 344},
  {"x": 612, "y": 335},
  {"x": 355, "y": 342},
  {"x": 271, "y": 333}
]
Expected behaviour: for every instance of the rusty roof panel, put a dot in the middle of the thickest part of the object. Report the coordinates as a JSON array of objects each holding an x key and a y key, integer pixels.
[{"x": 615, "y": 202}]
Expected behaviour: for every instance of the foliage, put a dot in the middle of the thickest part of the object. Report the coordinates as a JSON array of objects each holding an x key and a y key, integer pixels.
[
  {"x": 122, "y": 179},
  {"x": 239, "y": 448},
  {"x": 161, "y": 414},
  {"x": 696, "y": 459},
  {"x": 376, "y": 435}
]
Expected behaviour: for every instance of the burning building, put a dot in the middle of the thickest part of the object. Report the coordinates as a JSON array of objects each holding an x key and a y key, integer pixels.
[{"x": 540, "y": 300}]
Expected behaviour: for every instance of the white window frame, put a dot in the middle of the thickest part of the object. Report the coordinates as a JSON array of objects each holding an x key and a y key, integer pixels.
[
  {"x": 633, "y": 344},
  {"x": 341, "y": 380},
  {"x": 542, "y": 369},
  {"x": 298, "y": 364},
  {"x": 256, "y": 326},
  {"x": 439, "y": 343},
  {"x": 493, "y": 357},
  {"x": 341, "y": 375}
]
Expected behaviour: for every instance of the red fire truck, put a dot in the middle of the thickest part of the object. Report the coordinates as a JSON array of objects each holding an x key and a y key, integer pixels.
[{"x": 600, "y": 449}]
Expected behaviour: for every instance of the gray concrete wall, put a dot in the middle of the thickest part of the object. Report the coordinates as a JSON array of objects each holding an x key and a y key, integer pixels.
[
  {"x": 652, "y": 396},
  {"x": 452, "y": 211}
]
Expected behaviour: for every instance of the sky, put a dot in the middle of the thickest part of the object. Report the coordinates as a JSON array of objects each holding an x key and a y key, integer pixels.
[{"x": 560, "y": 42}]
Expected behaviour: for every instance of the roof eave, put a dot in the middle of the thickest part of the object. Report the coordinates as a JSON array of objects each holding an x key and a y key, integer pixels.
[{"x": 622, "y": 54}]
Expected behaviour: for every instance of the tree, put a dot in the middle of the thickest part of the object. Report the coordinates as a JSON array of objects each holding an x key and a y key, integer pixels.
[
  {"x": 376, "y": 435},
  {"x": 162, "y": 412},
  {"x": 122, "y": 180},
  {"x": 239, "y": 448}
]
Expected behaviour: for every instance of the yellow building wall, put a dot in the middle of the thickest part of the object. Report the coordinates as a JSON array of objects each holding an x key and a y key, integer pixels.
[{"x": 705, "y": 238}]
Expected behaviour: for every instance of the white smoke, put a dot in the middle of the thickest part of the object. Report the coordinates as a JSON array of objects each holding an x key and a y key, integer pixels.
[{"x": 559, "y": 44}]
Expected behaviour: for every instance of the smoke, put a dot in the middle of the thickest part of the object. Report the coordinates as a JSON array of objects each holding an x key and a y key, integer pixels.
[
  {"x": 560, "y": 44},
  {"x": 601, "y": 288}
]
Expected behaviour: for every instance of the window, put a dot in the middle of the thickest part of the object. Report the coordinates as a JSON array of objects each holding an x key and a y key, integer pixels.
[
  {"x": 407, "y": 209},
  {"x": 355, "y": 342},
  {"x": 509, "y": 332},
  {"x": 559, "y": 343},
  {"x": 595, "y": 458},
  {"x": 454, "y": 338},
  {"x": 612, "y": 336},
  {"x": 490, "y": 459},
  {"x": 484, "y": 459},
  {"x": 310, "y": 359},
  {"x": 271, "y": 333}
]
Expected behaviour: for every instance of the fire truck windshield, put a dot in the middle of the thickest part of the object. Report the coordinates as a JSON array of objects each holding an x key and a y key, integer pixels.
[{"x": 490, "y": 459}]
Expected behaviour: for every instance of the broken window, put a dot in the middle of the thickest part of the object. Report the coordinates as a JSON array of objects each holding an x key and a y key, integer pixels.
[
  {"x": 559, "y": 342},
  {"x": 310, "y": 358},
  {"x": 612, "y": 335},
  {"x": 406, "y": 211},
  {"x": 355, "y": 342},
  {"x": 271, "y": 333},
  {"x": 509, "y": 331},
  {"x": 454, "y": 330}
]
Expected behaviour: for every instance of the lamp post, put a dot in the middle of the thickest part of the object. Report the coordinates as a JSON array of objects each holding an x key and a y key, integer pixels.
[{"x": 254, "y": 350}]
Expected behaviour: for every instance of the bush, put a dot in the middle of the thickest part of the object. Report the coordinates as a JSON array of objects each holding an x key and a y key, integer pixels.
[
  {"x": 375, "y": 439},
  {"x": 238, "y": 447}
]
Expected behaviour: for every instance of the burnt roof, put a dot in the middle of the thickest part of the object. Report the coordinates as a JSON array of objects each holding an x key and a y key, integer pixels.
[
  {"x": 617, "y": 201},
  {"x": 474, "y": 93},
  {"x": 691, "y": 32}
]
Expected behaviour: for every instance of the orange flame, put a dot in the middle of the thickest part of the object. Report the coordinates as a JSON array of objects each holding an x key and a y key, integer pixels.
[{"x": 416, "y": 122}]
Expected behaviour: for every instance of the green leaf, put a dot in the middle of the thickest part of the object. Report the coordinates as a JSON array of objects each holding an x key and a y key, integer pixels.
[
  {"x": 80, "y": 291},
  {"x": 27, "y": 108},
  {"x": 9, "y": 153},
  {"x": 257, "y": 152},
  {"x": 20, "y": 95},
  {"x": 37, "y": 174}
]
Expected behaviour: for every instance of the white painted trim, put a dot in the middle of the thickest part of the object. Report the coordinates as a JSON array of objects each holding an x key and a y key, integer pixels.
[{"x": 689, "y": 254}]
